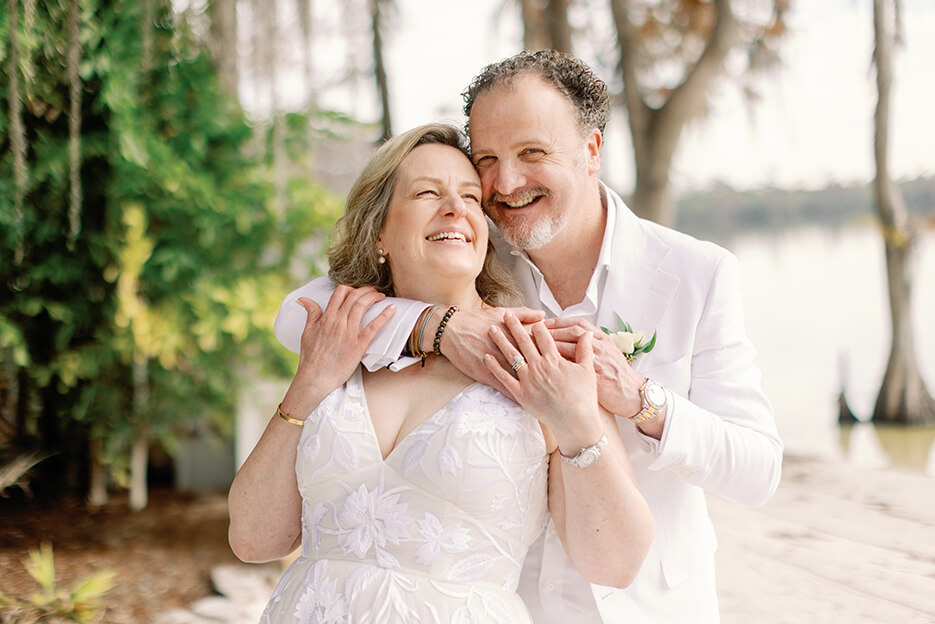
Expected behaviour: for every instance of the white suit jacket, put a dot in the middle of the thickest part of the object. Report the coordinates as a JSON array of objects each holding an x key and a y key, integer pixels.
[{"x": 720, "y": 435}]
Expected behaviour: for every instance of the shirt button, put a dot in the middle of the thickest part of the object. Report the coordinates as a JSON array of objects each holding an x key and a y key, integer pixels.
[{"x": 550, "y": 587}]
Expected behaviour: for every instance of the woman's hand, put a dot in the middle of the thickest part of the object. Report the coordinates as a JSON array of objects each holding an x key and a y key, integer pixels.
[
  {"x": 333, "y": 343},
  {"x": 562, "y": 394}
]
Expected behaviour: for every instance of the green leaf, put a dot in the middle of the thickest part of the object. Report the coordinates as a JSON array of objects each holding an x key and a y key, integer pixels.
[
  {"x": 605, "y": 330},
  {"x": 651, "y": 344},
  {"x": 95, "y": 586},
  {"x": 41, "y": 566}
]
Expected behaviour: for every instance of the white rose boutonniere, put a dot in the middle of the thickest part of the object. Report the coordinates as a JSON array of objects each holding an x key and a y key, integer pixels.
[{"x": 631, "y": 343}]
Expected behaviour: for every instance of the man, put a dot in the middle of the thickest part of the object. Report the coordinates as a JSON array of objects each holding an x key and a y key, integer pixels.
[{"x": 691, "y": 412}]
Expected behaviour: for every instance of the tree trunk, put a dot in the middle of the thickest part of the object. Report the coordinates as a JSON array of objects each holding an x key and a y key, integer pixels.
[
  {"x": 97, "y": 490},
  {"x": 655, "y": 132},
  {"x": 139, "y": 458},
  {"x": 139, "y": 454},
  {"x": 379, "y": 69},
  {"x": 258, "y": 56},
  {"x": 304, "y": 7},
  {"x": 223, "y": 14},
  {"x": 74, "y": 124},
  {"x": 545, "y": 25},
  {"x": 903, "y": 397},
  {"x": 17, "y": 133},
  {"x": 311, "y": 104},
  {"x": 651, "y": 198}
]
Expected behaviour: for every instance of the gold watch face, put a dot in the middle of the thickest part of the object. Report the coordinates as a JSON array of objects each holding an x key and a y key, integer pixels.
[{"x": 654, "y": 395}]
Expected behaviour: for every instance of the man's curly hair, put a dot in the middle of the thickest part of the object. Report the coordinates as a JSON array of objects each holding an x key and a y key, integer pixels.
[{"x": 569, "y": 75}]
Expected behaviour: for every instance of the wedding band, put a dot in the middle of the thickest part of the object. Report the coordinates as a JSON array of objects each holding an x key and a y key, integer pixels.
[{"x": 518, "y": 362}]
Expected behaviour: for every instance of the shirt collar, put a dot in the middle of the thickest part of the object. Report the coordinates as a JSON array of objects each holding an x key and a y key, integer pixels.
[{"x": 589, "y": 305}]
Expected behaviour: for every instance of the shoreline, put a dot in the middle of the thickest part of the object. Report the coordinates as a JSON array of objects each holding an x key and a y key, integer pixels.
[{"x": 837, "y": 542}]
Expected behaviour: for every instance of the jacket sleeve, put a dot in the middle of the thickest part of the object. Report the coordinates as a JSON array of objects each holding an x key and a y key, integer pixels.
[
  {"x": 384, "y": 349},
  {"x": 722, "y": 436}
]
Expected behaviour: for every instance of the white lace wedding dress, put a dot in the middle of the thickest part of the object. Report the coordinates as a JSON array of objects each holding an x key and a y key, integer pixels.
[{"x": 436, "y": 532}]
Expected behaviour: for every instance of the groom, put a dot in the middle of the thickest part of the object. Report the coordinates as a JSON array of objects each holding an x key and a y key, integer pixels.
[{"x": 691, "y": 412}]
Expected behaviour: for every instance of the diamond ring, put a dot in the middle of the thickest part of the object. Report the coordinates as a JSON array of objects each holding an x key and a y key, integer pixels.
[{"x": 518, "y": 362}]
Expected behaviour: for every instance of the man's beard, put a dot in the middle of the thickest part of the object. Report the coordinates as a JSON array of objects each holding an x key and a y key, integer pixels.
[{"x": 523, "y": 233}]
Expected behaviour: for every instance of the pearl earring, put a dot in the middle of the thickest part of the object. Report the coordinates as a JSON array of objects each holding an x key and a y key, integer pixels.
[{"x": 382, "y": 258}]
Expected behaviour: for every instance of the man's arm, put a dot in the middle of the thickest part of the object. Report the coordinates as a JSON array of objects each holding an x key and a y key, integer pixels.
[
  {"x": 465, "y": 340},
  {"x": 386, "y": 347},
  {"x": 722, "y": 437}
]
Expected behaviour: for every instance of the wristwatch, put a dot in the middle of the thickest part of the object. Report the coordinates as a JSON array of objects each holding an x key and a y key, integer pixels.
[
  {"x": 654, "y": 401},
  {"x": 586, "y": 456}
]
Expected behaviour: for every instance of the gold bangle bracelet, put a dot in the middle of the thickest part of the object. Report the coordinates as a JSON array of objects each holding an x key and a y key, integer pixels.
[{"x": 289, "y": 419}]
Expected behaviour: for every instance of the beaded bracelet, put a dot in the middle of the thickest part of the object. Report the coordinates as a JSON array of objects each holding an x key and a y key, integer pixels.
[
  {"x": 289, "y": 419},
  {"x": 441, "y": 328}
]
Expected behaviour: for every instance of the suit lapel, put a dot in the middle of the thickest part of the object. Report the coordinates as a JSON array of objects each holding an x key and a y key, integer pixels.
[{"x": 637, "y": 289}]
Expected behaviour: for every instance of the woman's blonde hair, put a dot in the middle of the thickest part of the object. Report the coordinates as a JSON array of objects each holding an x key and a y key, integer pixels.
[{"x": 352, "y": 257}]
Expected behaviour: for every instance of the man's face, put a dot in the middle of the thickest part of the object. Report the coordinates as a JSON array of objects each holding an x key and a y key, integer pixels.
[{"x": 533, "y": 162}]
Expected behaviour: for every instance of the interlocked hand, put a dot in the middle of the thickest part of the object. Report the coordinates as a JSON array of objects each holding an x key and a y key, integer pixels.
[
  {"x": 560, "y": 392},
  {"x": 617, "y": 383}
]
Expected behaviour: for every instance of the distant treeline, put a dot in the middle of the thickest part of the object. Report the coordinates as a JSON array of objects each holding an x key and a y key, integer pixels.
[{"x": 720, "y": 212}]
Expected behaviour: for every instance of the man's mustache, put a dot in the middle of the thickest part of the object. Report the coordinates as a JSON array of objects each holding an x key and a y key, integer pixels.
[{"x": 521, "y": 196}]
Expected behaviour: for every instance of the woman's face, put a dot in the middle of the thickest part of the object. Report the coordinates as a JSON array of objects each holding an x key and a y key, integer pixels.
[{"x": 435, "y": 233}]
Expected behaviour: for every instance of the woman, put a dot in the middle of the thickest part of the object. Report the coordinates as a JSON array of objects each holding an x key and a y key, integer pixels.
[{"x": 415, "y": 494}]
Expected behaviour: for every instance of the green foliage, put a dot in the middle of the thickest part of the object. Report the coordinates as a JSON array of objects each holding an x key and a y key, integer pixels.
[
  {"x": 183, "y": 254},
  {"x": 80, "y": 604}
]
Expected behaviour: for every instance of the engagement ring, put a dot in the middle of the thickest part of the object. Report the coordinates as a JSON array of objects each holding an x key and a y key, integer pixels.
[{"x": 518, "y": 362}]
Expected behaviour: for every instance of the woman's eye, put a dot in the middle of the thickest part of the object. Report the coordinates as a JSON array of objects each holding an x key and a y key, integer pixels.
[
  {"x": 471, "y": 197},
  {"x": 428, "y": 193}
]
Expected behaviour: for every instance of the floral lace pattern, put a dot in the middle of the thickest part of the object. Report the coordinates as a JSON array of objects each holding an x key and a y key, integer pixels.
[{"x": 436, "y": 532}]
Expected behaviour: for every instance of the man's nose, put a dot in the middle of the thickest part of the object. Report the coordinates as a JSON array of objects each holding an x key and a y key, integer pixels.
[{"x": 507, "y": 178}]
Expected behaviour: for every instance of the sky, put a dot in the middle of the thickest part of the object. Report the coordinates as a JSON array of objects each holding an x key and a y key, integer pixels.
[{"x": 812, "y": 127}]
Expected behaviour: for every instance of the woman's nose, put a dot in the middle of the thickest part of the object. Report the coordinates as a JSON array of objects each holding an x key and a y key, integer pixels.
[{"x": 454, "y": 205}]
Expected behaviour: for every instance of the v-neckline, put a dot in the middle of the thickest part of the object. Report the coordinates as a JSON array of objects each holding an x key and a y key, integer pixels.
[{"x": 358, "y": 378}]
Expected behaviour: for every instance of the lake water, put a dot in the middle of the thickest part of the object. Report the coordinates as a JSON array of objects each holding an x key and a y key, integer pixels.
[{"x": 816, "y": 307}]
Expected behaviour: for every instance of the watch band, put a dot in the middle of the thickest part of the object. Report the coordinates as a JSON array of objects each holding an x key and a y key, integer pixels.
[
  {"x": 586, "y": 456},
  {"x": 649, "y": 411}
]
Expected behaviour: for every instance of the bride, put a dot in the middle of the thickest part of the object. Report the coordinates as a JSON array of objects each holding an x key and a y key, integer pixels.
[{"x": 414, "y": 495}]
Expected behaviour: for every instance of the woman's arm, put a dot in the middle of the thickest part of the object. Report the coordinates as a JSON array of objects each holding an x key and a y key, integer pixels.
[
  {"x": 264, "y": 501},
  {"x": 602, "y": 519}
]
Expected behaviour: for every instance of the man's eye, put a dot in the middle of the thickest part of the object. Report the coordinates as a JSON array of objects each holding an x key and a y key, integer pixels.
[
  {"x": 484, "y": 161},
  {"x": 532, "y": 151}
]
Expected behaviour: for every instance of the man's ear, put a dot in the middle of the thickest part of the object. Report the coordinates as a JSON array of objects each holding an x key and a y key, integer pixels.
[{"x": 593, "y": 146}]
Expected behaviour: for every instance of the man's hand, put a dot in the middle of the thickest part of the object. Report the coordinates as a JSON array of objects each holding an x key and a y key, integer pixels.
[
  {"x": 467, "y": 338},
  {"x": 618, "y": 385}
]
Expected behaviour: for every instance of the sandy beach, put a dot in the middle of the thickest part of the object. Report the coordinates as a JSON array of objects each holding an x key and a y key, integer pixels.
[{"x": 836, "y": 543}]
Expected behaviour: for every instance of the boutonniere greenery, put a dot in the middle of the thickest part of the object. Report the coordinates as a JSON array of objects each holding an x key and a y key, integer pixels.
[{"x": 631, "y": 343}]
